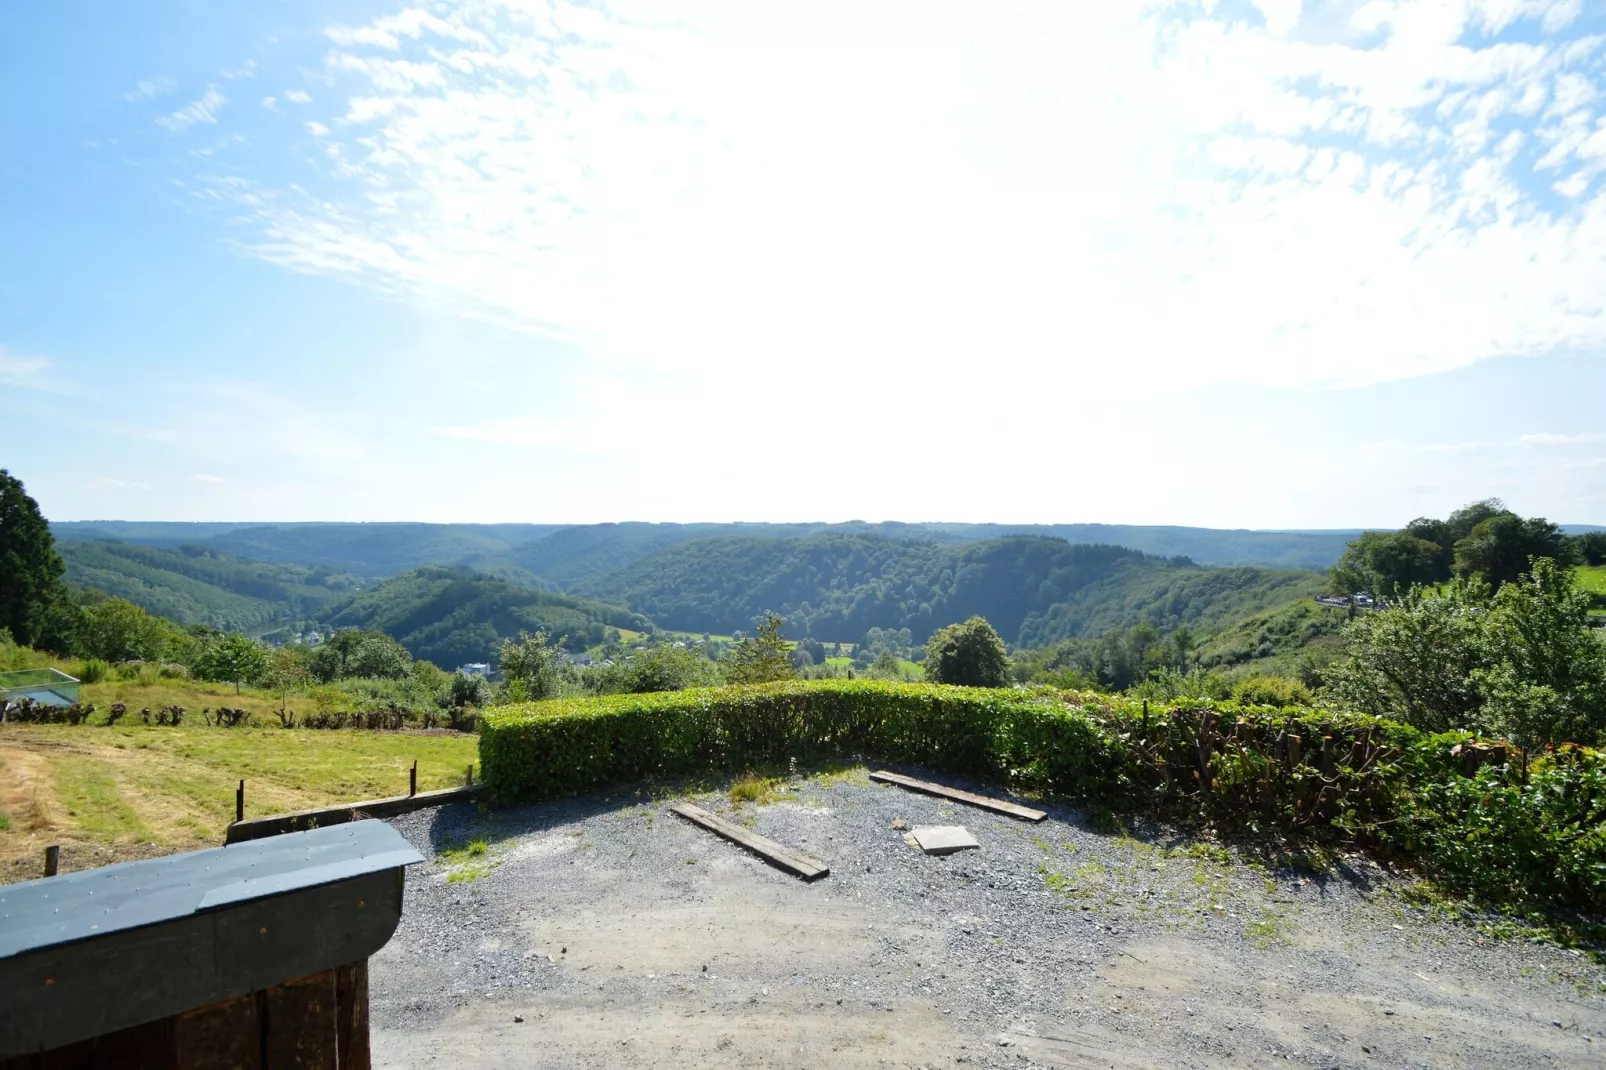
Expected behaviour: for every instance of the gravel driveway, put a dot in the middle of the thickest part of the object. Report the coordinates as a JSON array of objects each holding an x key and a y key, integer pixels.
[{"x": 622, "y": 935}]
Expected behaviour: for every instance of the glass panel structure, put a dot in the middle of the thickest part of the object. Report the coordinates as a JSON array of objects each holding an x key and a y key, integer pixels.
[{"x": 47, "y": 687}]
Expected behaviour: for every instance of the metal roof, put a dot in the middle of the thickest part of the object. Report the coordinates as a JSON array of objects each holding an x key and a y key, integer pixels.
[{"x": 93, "y": 902}]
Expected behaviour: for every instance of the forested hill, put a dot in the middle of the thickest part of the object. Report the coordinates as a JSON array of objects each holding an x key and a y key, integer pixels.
[
  {"x": 451, "y": 616},
  {"x": 564, "y": 555},
  {"x": 1034, "y": 590},
  {"x": 195, "y": 585}
]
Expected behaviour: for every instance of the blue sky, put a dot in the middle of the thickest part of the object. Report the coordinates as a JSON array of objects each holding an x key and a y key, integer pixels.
[{"x": 1261, "y": 264}]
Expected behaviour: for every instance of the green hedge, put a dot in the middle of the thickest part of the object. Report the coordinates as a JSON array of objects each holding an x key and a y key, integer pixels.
[
  {"x": 1503, "y": 832},
  {"x": 548, "y": 749}
]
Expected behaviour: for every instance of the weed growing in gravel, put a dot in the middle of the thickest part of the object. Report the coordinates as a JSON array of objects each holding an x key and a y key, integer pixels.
[
  {"x": 754, "y": 789},
  {"x": 1270, "y": 928},
  {"x": 469, "y": 862}
]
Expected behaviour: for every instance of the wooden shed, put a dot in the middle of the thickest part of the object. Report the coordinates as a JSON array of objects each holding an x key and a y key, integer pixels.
[{"x": 253, "y": 955}]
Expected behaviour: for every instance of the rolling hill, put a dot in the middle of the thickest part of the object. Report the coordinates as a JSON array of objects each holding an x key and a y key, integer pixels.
[
  {"x": 1034, "y": 589},
  {"x": 452, "y": 615},
  {"x": 565, "y": 555},
  {"x": 196, "y": 585}
]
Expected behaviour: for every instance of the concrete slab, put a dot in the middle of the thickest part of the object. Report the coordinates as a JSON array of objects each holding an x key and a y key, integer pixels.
[{"x": 943, "y": 839}]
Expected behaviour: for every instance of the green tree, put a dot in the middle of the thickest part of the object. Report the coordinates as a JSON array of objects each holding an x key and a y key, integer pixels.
[
  {"x": 33, "y": 600},
  {"x": 233, "y": 658},
  {"x": 1500, "y": 547},
  {"x": 1590, "y": 547},
  {"x": 1544, "y": 678},
  {"x": 354, "y": 652},
  {"x": 117, "y": 630},
  {"x": 285, "y": 672},
  {"x": 469, "y": 691},
  {"x": 532, "y": 668},
  {"x": 666, "y": 668},
  {"x": 969, "y": 654},
  {"x": 761, "y": 657},
  {"x": 1387, "y": 564},
  {"x": 1463, "y": 520},
  {"x": 1415, "y": 662}
]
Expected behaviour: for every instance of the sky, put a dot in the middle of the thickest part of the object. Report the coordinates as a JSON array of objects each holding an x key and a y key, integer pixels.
[{"x": 1262, "y": 264}]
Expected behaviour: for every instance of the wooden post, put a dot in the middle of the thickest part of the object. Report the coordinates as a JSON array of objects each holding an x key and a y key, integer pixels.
[
  {"x": 52, "y": 859},
  {"x": 412, "y": 779},
  {"x": 1145, "y": 719},
  {"x": 239, "y": 802},
  {"x": 468, "y": 778}
]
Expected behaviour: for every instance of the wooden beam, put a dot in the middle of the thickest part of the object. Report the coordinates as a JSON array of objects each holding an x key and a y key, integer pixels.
[
  {"x": 925, "y": 787},
  {"x": 301, "y": 820},
  {"x": 776, "y": 854}
]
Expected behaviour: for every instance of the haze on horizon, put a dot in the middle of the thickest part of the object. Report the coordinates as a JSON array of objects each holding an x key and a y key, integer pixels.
[{"x": 1241, "y": 265}]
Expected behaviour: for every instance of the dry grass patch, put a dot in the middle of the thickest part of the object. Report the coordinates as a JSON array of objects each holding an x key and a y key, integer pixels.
[{"x": 133, "y": 786}]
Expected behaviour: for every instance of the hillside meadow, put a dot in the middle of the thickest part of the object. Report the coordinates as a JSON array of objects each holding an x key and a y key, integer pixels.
[{"x": 111, "y": 793}]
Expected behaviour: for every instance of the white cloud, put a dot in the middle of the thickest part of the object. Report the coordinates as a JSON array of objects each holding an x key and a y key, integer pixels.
[
  {"x": 296, "y": 96},
  {"x": 271, "y": 103},
  {"x": 202, "y": 477},
  {"x": 204, "y": 110},
  {"x": 29, "y": 372},
  {"x": 108, "y": 485},
  {"x": 248, "y": 69},
  {"x": 150, "y": 89},
  {"x": 1109, "y": 200},
  {"x": 1546, "y": 438}
]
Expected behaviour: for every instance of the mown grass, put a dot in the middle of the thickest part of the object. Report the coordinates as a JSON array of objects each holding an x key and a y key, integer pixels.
[{"x": 174, "y": 787}]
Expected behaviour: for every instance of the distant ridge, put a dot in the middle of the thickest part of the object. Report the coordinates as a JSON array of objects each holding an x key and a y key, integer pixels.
[{"x": 564, "y": 555}]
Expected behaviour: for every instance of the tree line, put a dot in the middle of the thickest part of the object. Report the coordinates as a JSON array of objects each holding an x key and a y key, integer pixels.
[{"x": 1483, "y": 539}]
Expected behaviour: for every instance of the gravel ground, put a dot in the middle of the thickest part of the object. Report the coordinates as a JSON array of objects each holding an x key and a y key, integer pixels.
[{"x": 605, "y": 931}]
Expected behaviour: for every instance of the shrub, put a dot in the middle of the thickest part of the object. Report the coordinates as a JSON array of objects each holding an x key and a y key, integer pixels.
[
  {"x": 1271, "y": 691},
  {"x": 969, "y": 654},
  {"x": 93, "y": 671},
  {"x": 27, "y": 711}
]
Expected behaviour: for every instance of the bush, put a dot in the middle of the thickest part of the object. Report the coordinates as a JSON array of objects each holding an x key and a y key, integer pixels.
[
  {"x": 1271, "y": 691},
  {"x": 1465, "y": 811},
  {"x": 93, "y": 671},
  {"x": 969, "y": 654}
]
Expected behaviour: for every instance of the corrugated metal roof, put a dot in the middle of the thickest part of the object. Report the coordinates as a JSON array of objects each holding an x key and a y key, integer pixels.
[{"x": 92, "y": 902}]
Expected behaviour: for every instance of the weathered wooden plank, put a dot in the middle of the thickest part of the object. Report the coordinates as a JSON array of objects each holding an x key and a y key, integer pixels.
[
  {"x": 300, "y": 1024},
  {"x": 777, "y": 854},
  {"x": 301, "y": 820},
  {"x": 351, "y": 995},
  {"x": 144, "y": 1047},
  {"x": 224, "y": 1036},
  {"x": 925, "y": 787}
]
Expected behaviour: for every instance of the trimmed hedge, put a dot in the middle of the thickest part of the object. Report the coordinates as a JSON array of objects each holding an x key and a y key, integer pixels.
[
  {"x": 1483, "y": 822},
  {"x": 549, "y": 749}
]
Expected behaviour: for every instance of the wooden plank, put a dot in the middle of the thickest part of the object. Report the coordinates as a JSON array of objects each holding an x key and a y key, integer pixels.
[
  {"x": 300, "y": 1024},
  {"x": 301, "y": 820},
  {"x": 351, "y": 994},
  {"x": 224, "y": 1036},
  {"x": 925, "y": 787},
  {"x": 777, "y": 854}
]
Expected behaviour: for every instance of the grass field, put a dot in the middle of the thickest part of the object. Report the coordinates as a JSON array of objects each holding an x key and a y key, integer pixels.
[
  {"x": 107, "y": 794},
  {"x": 1592, "y": 578}
]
